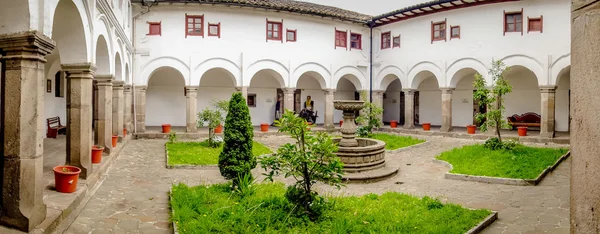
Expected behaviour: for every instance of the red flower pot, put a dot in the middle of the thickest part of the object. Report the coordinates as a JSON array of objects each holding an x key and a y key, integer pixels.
[
  {"x": 115, "y": 139},
  {"x": 522, "y": 131},
  {"x": 219, "y": 129},
  {"x": 124, "y": 132},
  {"x": 341, "y": 122},
  {"x": 426, "y": 126},
  {"x": 166, "y": 128},
  {"x": 264, "y": 127},
  {"x": 471, "y": 129},
  {"x": 65, "y": 178},
  {"x": 393, "y": 124},
  {"x": 97, "y": 154}
]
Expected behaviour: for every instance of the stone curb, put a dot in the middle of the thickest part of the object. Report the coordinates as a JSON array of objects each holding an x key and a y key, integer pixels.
[
  {"x": 499, "y": 180},
  {"x": 195, "y": 135},
  {"x": 483, "y": 224},
  {"x": 529, "y": 139},
  {"x": 175, "y": 231},
  {"x": 425, "y": 143}
]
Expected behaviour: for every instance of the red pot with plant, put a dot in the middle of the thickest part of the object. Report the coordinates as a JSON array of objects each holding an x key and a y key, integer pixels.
[
  {"x": 166, "y": 128},
  {"x": 264, "y": 127},
  {"x": 124, "y": 132},
  {"x": 65, "y": 178},
  {"x": 522, "y": 131},
  {"x": 426, "y": 126},
  {"x": 393, "y": 124},
  {"x": 115, "y": 139},
  {"x": 97, "y": 154},
  {"x": 219, "y": 129},
  {"x": 471, "y": 129}
]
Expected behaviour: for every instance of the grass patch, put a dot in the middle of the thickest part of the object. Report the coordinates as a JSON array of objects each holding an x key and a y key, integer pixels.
[
  {"x": 214, "y": 209},
  {"x": 199, "y": 153},
  {"x": 522, "y": 162},
  {"x": 393, "y": 142}
]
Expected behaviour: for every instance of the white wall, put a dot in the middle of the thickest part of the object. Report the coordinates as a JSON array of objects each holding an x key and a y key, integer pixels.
[
  {"x": 525, "y": 95},
  {"x": 309, "y": 86},
  {"x": 391, "y": 104},
  {"x": 165, "y": 100},
  {"x": 462, "y": 102},
  {"x": 345, "y": 90},
  {"x": 562, "y": 104},
  {"x": 430, "y": 102}
]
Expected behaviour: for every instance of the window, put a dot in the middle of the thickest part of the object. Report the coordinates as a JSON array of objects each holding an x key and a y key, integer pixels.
[
  {"x": 356, "y": 41},
  {"x": 396, "y": 41},
  {"x": 290, "y": 35},
  {"x": 154, "y": 28},
  {"x": 194, "y": 25},
  {"x": 274, "y": 31},
  {"x": 513, "y": 22},
  {"x": 535, "y": 24},
  {"x": 251, "y": 100},
  {"x": 454, "y": 32},
  {"x": 340, "y": 38},
  {"x": 385, "y": 40},
  {"x": 438, "y": 31},
  {"x": 214, "y": 30}
]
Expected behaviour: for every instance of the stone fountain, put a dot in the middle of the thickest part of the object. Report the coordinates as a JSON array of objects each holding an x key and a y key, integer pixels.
[{"x": 363, "y": 158}]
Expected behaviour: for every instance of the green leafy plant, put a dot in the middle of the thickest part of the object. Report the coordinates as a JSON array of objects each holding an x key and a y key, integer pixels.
[
  {"x": 369, "y": 117},
  {"x": 492, "y": 97},
  {"x": 214, "y": 116},
  {"x": 244, "y": 186},
  {"x": 236, "y": 159},
  {"x": 309, "y": 160},
  {"x": 172, "y": 137}
]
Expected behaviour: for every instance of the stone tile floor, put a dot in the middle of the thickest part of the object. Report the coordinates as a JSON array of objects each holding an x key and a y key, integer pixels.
[{"x": 134, "y": 197}]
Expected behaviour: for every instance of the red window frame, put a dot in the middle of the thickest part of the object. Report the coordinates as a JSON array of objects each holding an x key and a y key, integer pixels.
[
  {"x": 194, "y": 23},
  {"x": 452, "y": 29},
  {"x": 341, "y": 37},
  {"x": 218, "y": 34},
  {"x": 514, "y": 21},
  {"x": 441, "y": 31},
  {"x": 386, "y": 40},
  {"x": 358, "y": 41},
  {"x": 272, "y": 30},
  {"x": 541, "y": 22},
  {"x": 394, "y": 43},
  {"x": 154, "y": 24},
  {"x": 287, "y": 38}
]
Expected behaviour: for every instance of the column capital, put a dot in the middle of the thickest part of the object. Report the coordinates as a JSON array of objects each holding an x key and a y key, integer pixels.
[
  {"x": 329, "y": 91},
  {"x": 239, "y": 88},
  {"x": 126, "y": 88},
  {"x": 378, "y": 92},
  {"x": 548, "y": 88},
  {"x": 35, "y": 45},
  {"x": 289, "y": 90},
  {"x": 79, "y": 70},
  {"x": 118, "y": 84},
  {"x": 104, "y": 80},
  {"x": 141, "y": 88},
  {"x": 447, "y": 90},
  {"x": 409, "y": 91},
  {"x": 191, "y": 88}
]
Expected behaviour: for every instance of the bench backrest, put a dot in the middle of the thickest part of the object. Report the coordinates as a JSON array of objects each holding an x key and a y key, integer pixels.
[
  {"x": 53, "y": 121},
  {"x": 528, "y": 117}
]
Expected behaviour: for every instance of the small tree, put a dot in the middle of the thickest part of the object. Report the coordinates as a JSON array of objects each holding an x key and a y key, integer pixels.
[
  {"x": 310, "y": 160},
  {"x": 214, "y": 116},
  {"x": 236, "y": 160},
  {"x": 492, "y": 97},
  {"x": 370, "y": 118}
]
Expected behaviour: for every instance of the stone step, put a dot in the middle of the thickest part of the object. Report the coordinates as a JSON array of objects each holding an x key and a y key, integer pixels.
[
  {"x": 370, "y": 176},
  {"x": 364, "y": 167}
]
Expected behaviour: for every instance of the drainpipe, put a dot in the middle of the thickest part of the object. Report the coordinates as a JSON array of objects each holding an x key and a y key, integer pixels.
[
  {"x": 371, "y": 24},
  {"x": 134, "y": 64}
]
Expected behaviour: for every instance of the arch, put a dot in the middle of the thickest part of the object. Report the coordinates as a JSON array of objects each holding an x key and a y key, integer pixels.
[
  {"x": 421, "y": 67},
  {"x": 151, "y": 66},
  {"x": 268, "y": 65},
  {"x": 352, "y": 74},
  {"x": 384, "y": 74},
  {"x": 103, "y": 60},
  {"x": 315, "y": 75},
  {"x": 322, "y": 73},
  {"x": 557, "y": 67},
  {"x": 118, "y": 67},
  {"x": 460, "y": 65},
  {"x": 126, "y": 73},
  {"x": 16, "y": 16},
  {"x": 225, "y": 64},
  {"x": 165, "y": 100},
  {"x": 70, "y": 31},
  {"x": 528, "y": 62}
]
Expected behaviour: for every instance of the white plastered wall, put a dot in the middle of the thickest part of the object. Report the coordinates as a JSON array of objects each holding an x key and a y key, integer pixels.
[
  {"x": 309, "y": 86},
  {"x": 345, "y": 91},
  {"x": 462, "y": 102},
  {"x": 525, "y": 95},
  {"x": 562, "y": 103},
  {"x": 165, "y": 100},
  {"x": 430, "y": 102},
  {"x": 392, "y": 102}
]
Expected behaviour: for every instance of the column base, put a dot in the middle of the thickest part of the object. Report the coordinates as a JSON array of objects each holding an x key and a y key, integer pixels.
[{"x": 547, "y": 134}]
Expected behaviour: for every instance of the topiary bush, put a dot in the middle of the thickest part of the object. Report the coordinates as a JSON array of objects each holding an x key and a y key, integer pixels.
[{"x": 236, "y": 160}]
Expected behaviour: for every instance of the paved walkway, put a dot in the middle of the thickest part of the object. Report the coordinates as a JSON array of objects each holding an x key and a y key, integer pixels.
[{"x": 134, "y": 197}]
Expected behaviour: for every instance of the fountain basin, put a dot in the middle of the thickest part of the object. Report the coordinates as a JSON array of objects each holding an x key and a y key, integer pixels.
[{"x": 368, "y": 155}]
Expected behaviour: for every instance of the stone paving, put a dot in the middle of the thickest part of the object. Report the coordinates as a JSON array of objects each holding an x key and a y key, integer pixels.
[{"x": 134, "y": 197}]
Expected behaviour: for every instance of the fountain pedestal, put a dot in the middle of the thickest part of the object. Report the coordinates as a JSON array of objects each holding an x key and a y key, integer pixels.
[{"x": 348, "y": 130}]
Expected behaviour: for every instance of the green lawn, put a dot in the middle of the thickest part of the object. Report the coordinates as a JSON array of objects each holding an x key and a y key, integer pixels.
[
  {"x": 522, "y": 162},
  {"x": 198, "y": 153},
  {"x": 213, "y": 209},
  {"x": 393, "y": 142}
]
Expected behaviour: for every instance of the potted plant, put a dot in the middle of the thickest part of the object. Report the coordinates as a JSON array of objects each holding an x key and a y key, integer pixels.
[
  {"x": 97, "y": 154},
  {"x": 166, "y": 128},
  {"x": 222, "y": 107},
  {"x": 426, "y": 126},
  {"x": 213, "y": 116},
  {"x": 393, "y": 124},
  {"x": 115, "y": 139},
  {"x": 471, "y": 129},
  {"x": 522, "y": 131},
  {"x": 65, "y": 178}
]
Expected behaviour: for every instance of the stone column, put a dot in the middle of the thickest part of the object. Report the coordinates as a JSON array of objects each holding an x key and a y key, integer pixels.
[
  {"x": 191, "y": 108},
  {"x": 446, "y": 110},
  {"x": 585, "y": 84},
  {"x": 104, "y": 127},
  {"x": 117, "y": 109},
  {"x": 548, "y": 104},
  {"x": 409, "y": 108},
  {"x": 329, "y": 95},
  {"x": 288, "y": 98},
  {"x": 378, "y": 101},
  {"x": 127, "y": 117},
  {"x": 23, "y": 89},
  {"x": 140, "y": 108},
  {"x": 243, "y": 90}
]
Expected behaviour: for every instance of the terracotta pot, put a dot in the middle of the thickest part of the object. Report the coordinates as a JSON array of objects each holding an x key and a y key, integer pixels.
[
  {"x": 341, "y": 122},
  {"x": 115, "y": 139},
  {"x": 219, "y": 129},
  {"x": 264, "y": 127},
  {"x": 124, "y": 132},
  {"x": 522, "y": 131},
  {"x": 426, "y": 126},
  {"x": 393, "y": 124},
  {"x": 65, "y": 178},
  {"x": 471, "y": 129},
  {"x": 166, "y": 128},
  {"x": 97, "y": 154}
]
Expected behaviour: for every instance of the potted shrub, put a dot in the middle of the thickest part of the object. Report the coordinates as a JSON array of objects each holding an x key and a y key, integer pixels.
[
  {"x": 471, "y": 129},
  {"x": 65, "y": 178},
  {"x": 166, "y": 128},
  {"x": 115, "y": 139},
  {"x": 97, "y": 154},
  {"x": 213, "y": 116},
  {"x": 426, "y": 126}
]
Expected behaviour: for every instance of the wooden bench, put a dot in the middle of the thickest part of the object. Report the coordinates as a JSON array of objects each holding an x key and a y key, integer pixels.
[
  {"x": 529, "y": 119},
  {"x": 55, "y": 127}
]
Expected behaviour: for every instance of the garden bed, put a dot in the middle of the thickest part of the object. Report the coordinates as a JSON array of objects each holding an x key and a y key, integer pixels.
[
  {"x": 198, "y": 154},
  {"x": 396, "y": 142},
  {"x": 522, "y": 165},
  {"x": 214, "y": 209}
]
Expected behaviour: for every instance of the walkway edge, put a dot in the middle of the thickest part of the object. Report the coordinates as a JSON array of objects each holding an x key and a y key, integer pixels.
[{"x": 485, "y": 223}]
